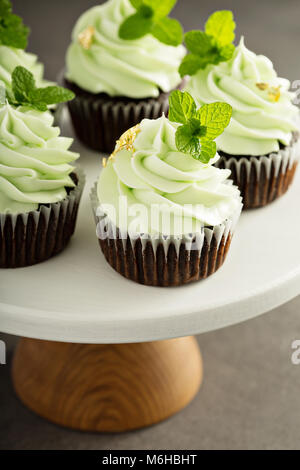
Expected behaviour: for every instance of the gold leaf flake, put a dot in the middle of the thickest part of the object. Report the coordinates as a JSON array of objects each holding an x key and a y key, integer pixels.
[
  {"x": 86, "y": 37},
  {"x": 274, "y": 93},
  {"x": 126, "y": 140},
  {"x": 262, "y": 86},
  {"x": 104, "y": 162}
]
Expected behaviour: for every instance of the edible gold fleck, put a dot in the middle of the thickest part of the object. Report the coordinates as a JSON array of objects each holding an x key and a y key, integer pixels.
[
  {"x": 262, "y": 86},
  {"x": 126, "y": 140},
  {"x": 86, "y": 37},
  {"x": 274, "y": 94}
]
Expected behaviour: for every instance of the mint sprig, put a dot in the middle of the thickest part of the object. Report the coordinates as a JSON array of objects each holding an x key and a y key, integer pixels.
[
  {"x": 13, "y": 32},
  {"x": 151, "y": 17},
  {"x": 199, "y": 126},
  {"x": 25, "y": 93},
  {"x": 212, "y": 46}
]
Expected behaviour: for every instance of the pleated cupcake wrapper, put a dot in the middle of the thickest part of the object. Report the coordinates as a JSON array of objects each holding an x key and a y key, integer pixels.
[
  {"x": 263, "y": 179},
  {"x": 98, "y": 123},
  {"x": 163, "y": 260},
  {"x": 29, "y": 238}
]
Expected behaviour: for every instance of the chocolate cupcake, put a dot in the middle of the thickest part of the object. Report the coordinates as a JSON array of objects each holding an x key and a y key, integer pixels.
[
  {"x": 262, "y": 179},
  {"x": 39, "y": 189},
  {"x": 261, "y": 145},
  {"x": 164, "y": 218},
  {"x": 117, "y": 82}
]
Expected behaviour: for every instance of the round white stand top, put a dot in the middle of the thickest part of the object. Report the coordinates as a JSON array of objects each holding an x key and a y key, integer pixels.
[{"x": 77, "y": 297}]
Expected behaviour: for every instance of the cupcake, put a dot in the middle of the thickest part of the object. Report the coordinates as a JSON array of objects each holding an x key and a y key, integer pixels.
[
  {"x": 13, "y": 42},
  {"x": 165, "y": 215},
  {"x": 120, "y": 74},
  {"x": 39, "y": 189},
  {"x": 261, "y": 145}
]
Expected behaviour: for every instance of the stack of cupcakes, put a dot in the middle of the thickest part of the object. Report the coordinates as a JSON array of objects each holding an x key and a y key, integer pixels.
[{"x": 167, "y": 202}]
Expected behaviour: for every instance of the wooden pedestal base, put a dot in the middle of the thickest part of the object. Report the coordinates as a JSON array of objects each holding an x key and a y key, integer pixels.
[{"x": 107, "y": 387}]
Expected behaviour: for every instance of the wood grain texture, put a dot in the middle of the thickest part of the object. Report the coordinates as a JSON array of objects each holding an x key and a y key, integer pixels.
[{"x": 109, "y": 388}]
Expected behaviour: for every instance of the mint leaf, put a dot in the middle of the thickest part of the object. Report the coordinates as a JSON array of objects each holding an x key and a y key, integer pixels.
[
  {"x": 13, "y": 33},
  {"x": 221, "y": 26},
  {"x": 146, "y": 11},
  {"x": 161, "y": 8},
  {"x": 22, "y": 83},
  {"x": 210, "y": 47},
  {"x": 2, "y": 95},
  {"x": 168, "y": 31},
  {"x": 208, "y": 150},
  {"x": 182, "y": 106},
  {"x": 5, "y": 8},
  {"x": 136, "y": 3},
  {"x": 199, "y": 42},
  {"x": 191, "y": 63},
  {"x": 215, "y": 117},
  {"x": 205, "y": 50},
  {"x": 196, "y": 128},
  {"x": 50, "y": 95},
  {"x": 135, "y": 26},
  {"x": 151, "y": 18},
  {"x": 25, "y": 92},
  {"x": 38, "y": 106},
  {"x": 200, "y": 127},
  {"x": 186, "y": 141},
  {"x": 226, "y": 52}
]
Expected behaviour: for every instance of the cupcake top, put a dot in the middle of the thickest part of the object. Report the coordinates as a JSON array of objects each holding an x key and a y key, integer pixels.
[
  {"x": 263, "y": 115},
  {"x": 98, "y": 60},
  {"x": 34, "y": 159},
  {"x": 11, "y": 57},
  {"x": 165, "y": 190}
]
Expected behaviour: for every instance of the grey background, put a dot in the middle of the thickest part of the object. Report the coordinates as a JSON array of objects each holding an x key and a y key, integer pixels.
[{"x": 250, "y": 396}]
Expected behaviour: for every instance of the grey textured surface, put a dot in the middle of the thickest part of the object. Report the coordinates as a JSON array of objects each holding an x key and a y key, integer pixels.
[{"x": 250, "y": 396}]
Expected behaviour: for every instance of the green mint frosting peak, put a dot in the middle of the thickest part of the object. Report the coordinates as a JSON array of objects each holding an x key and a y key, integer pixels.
[
  {"x": 212, "y": 46},
  {"x": 13, "y": 33},
  {"x": 199, "y": 126},
  {"x": 151, "y": 17},
  {"x": 25, "y": 93}
]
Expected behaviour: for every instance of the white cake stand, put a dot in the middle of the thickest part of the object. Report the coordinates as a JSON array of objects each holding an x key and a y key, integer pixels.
[{"x": 76, "y": 371}]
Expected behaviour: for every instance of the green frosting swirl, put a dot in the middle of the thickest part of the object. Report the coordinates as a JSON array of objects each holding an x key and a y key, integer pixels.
[
  {"x": 34, "y": 160},
  {"x": 133, "y": 68},
  {"x": 258, "y": 123},
  {"x": 10, "y": 58},
  {"x": 155, "y": 174}
]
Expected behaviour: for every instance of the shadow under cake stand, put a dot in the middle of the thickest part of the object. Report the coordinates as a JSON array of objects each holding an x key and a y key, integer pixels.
[{"x": 99, "y": 353}]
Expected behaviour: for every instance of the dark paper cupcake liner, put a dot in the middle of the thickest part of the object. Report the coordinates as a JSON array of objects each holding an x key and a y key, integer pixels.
[
  {"x": 33, "y": 237},
  {"x": 143, "y": 265},
  {"x": 265, "y": 178},
  {"x": 99, "y": 120},
  {"x": 164, "y": 261}
]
